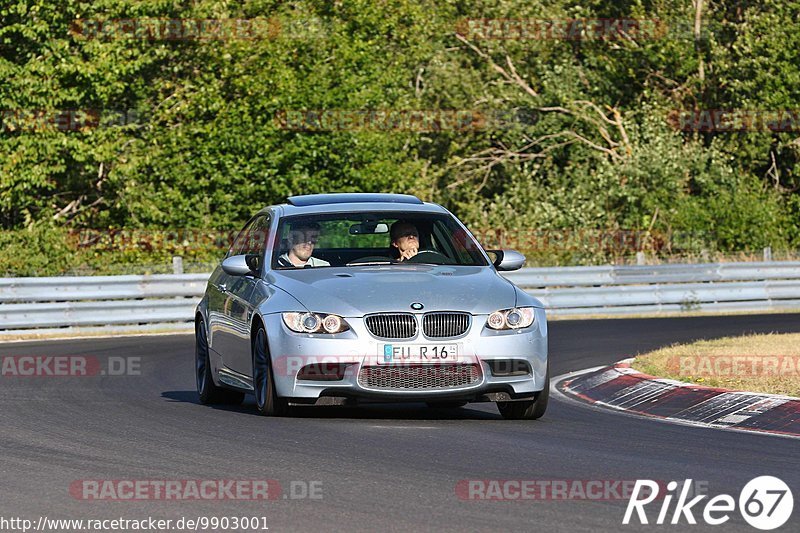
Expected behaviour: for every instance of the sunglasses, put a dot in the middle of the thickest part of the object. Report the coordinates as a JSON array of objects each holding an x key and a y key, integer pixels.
[{"x": 305, "y": 239}]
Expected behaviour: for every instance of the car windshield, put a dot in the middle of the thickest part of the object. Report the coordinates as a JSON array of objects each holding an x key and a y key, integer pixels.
[{"x": 374, "y": 238}]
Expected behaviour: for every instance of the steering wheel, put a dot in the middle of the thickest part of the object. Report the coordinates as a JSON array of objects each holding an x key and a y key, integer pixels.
[{"x": 430, "y": 256}]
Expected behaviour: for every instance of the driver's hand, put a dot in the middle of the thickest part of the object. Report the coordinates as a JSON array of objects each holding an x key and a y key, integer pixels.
[{"x": 408, "y": 254}]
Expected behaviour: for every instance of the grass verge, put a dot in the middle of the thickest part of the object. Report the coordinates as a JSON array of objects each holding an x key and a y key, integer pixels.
[{"x": 756, "y": 363}]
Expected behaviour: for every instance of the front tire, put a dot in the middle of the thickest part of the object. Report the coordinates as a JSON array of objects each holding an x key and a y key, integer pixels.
[
  {"x": 528, "y": 409},
  {"x": 207, "y": 391},
  {"x": 268, "y": 403}
]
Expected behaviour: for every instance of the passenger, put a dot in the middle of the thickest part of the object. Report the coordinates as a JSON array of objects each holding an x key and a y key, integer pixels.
[
  {"x": 302, "y": 239},
  {"x": 405, "y": 240}
]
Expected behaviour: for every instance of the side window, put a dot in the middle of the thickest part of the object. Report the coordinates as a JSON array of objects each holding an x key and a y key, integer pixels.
[
  {"x": 252, "y": 240},
  {"x": 258, "y": 243},
  {"x": 239, "y": 243}
]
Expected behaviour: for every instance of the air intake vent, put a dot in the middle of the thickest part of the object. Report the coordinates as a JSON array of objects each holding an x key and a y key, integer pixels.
[{"x": 418, "y": 377}]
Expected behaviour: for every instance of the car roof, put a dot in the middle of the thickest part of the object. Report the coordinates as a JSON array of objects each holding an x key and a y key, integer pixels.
[
  {"x": 351, "y": 198},
  {"x": 355, "y": 202}
]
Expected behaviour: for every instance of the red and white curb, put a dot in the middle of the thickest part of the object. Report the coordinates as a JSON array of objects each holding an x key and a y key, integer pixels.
[{"x": 623, "y": 388}]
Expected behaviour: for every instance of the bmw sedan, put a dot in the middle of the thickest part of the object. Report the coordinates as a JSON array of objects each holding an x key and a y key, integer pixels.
[{"x": 339, "y": 299}]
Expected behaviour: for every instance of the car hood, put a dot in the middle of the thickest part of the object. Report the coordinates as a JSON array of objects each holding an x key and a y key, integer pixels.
[{"x": 356, "y": 291}]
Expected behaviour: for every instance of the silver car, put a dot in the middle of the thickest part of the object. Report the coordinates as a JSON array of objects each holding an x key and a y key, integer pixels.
[{"x": 333, "y": 299}]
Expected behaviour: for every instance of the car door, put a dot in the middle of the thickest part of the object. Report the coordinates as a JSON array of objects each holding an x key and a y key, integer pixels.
[
  {"x": 241, "y": 298},
  {"x": 221, "y": 302}
]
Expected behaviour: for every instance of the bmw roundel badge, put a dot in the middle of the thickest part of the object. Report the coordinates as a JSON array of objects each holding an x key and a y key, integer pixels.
[{"x": 416, "y": 306}]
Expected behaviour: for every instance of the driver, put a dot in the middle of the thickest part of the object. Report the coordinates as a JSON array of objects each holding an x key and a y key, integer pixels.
[
  {"x": 302, "y": 239},
  {"x": 405, "y": 238}
]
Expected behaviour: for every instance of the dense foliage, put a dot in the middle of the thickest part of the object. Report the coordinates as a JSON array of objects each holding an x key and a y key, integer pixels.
[{"x": 185, "y": 132}]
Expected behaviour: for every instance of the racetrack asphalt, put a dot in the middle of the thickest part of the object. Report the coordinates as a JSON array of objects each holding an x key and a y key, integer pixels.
[{"x": 380, "y": 467}]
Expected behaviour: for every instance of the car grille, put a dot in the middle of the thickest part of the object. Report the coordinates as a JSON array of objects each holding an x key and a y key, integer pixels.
[
  {"x": 418, "y": 377},
  {"x": 392, "y": 326},
  {"x": 438, "y": 325}
]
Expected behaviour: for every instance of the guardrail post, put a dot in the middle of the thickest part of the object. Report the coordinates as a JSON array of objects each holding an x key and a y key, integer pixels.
[
  {"x": 177, "y": 264},
  {"x": 768, "y": 253},
  {"x": 640, "y": 258}
]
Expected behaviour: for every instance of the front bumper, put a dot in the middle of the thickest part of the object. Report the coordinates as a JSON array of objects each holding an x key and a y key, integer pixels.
[{"x": 358, "y": 350}]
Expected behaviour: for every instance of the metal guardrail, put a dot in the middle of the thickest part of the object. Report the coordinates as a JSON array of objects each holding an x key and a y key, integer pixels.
[
  {"x": 620, "y": 290},
  {"x": 66, "y": 289},
  {"x": 70, "y": 302},
  {"x": 148, "y": 301},
  {"x": 646, "y": 274}
]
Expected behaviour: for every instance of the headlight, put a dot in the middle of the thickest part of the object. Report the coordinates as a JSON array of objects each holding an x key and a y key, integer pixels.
[
  {"x": 314, "y": 323},
  {"x": 516, "y": 318}
]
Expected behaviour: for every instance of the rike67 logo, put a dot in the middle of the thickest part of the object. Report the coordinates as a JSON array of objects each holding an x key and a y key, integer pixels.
[{"x": 765, "y": 503}]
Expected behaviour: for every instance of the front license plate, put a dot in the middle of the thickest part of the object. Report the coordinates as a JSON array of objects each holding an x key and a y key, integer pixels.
[{"x": 418, "y": 353}]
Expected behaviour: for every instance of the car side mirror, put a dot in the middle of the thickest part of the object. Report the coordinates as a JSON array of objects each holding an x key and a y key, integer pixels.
[
  {"x": 507, "y": 260},
  {"x": 240, "y": 265}
]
